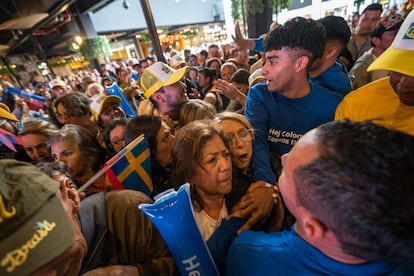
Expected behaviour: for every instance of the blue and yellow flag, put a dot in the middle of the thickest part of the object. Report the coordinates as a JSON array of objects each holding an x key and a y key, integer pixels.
[{"x": 131, "y": 167}]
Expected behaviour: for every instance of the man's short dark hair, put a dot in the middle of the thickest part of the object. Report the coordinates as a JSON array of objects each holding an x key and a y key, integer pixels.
[
  {"x": 373, "y": 7},
  {"x": 298, "y": 34},
  {"x": 203, "y": 53},
  {"x": 361, "y": 188},
  {"x": 336, "y": 29},
  {"x": 140, "y": 62}
]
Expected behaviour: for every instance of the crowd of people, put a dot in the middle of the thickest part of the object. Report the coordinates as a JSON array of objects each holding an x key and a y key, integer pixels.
[{"x": 300, "y": 162}]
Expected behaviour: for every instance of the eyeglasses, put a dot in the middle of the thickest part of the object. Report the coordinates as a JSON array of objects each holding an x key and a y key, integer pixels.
[
  {"x": 118, "y": 143},
  {"x": 244, "y": 135}
]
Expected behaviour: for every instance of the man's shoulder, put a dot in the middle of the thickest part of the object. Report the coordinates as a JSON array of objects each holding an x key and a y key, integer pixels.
[
  {"x": 259, "y": 93},
  {"x": 259, "y": 88},
  {"x": 259, "y": 253},
  {"x": 266, "y": 253},
  {"x": 251, "y": 242},
  {"x": 324, "y": 93},
  {"x": 370, "y": 90}
]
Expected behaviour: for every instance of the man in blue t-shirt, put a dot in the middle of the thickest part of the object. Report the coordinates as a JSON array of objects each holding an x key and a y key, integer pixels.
[
  {"x": 349, "y": 186},
  {"x": 328, "y": 71},
  {"x": 287, "y": 105}
]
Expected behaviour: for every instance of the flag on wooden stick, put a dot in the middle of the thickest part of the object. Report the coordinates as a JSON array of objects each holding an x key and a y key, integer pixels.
[
  {"x": 128, "y": 169},
  {"x": 131, "y": 167}
]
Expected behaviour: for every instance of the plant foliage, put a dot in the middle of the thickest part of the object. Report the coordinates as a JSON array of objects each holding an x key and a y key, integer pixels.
[
  {"x": 254, "y": 7},
  {"x": 95, "y": 47}
]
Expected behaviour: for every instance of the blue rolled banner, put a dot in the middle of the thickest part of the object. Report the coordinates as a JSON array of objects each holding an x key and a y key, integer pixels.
[
  {"x": 14, "y": 90},
  {"x": 125, "y": 105},
  {"x": 173, "y": 215}
]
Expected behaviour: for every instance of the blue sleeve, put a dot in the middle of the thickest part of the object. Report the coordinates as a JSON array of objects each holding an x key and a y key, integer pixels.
[
  {"x": 259, "y": 45},
  {"x": 219, "y": 243},
  {"x": 257, "y": 113}
]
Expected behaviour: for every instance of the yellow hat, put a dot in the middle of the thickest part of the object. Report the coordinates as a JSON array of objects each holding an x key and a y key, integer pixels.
[
  {"x": 98, "y": 103},
  {"x": 159, "y": 75},
  {"x": 399, "y": 57},
  {"x": 5, "y": 113}
]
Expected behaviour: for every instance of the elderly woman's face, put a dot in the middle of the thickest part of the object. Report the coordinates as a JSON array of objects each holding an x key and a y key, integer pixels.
[
  {"x": 68, "y": 152},
  {"x": 240, "y": 144},
  {"x": 214, "y": 177}
]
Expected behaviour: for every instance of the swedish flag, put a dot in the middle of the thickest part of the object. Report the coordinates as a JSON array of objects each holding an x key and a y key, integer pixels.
[{"x": 131, "y": 167}]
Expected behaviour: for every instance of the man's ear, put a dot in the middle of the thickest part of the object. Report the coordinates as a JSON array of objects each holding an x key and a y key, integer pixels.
[
  {"x": 158, "y": 97},
  {"x": 302, "y": 63},
  {"x": 330, "y": 52},
  {"x": 375, "y": 40},
  {"x": 313, "y": 228}
]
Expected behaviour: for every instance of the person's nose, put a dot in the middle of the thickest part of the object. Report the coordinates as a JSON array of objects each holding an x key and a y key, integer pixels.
[
  {"x": 60, "y": 158},
  {"x": 265, "y": 71},
  {"x": 238, "y": 143},
  {"x": 225, "y": 163}
]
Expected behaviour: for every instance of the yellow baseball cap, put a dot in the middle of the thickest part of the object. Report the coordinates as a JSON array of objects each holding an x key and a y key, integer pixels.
[
  {"x": 159, "y": 75},
  {"x": 5, "y": 113},
  {"x": 98, "y": 103},
  {"x": 399, "y": 57}
]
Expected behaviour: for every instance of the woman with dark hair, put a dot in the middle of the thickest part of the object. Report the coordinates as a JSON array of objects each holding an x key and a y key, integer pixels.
[
  {"x": 159, "y": 138},
  {"x": 206, "y": 78},
  {"x": 113, "y": 135},
  {"x": 214, "y": 63},
  {"x": 201, "y": 158},
  {"x": 83, "y": 156}
]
